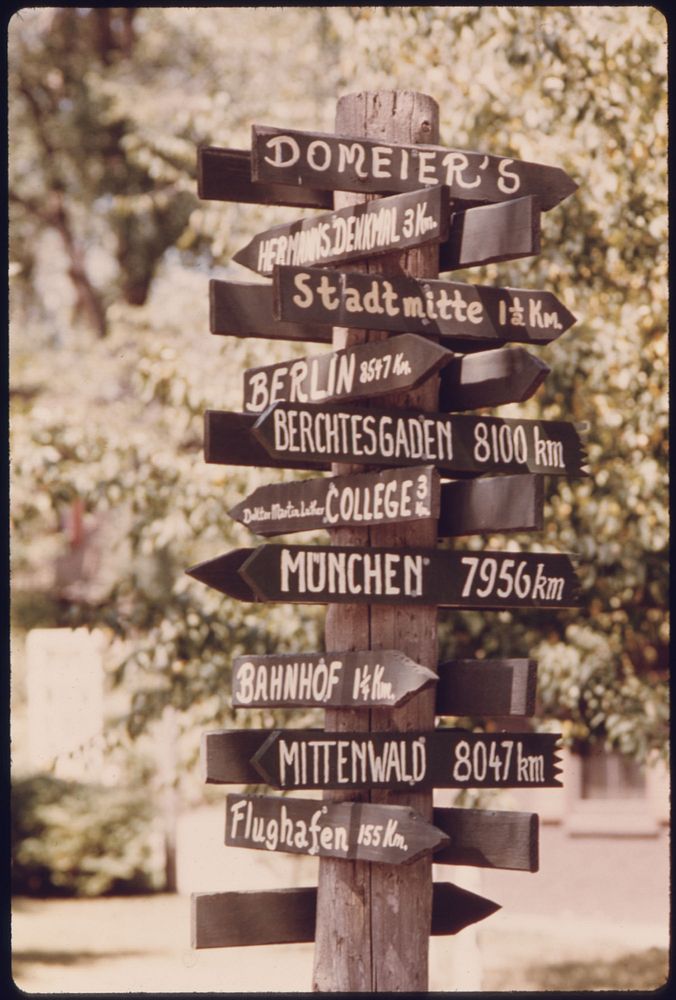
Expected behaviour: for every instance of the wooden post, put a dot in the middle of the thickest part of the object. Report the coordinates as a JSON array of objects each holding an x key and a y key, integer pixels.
[{"x": 373, "y": 920}]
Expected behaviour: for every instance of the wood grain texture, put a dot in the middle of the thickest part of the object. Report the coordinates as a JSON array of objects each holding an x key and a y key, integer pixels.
[
  {"x": 373, "y": 922},
  {"x": 225, "y": 175},
  {"x": 486, "y": 838},
  {"x": 287, "y": 916}
]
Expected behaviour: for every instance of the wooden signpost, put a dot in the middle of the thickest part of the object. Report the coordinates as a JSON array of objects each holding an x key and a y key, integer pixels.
[
  {"x": 342, "y": 163},
  {"x": 464, "y": 507},
  {"x": 379, "y": 756},
  {"x": 310, "y": 436},
  {"x": 438, "y": 758},
  {"x": 353, "y": 677},
  {"x": 352, "y": 233},
  {"x": 289, "y": 916},
  {"x": 319, "y": 574}
]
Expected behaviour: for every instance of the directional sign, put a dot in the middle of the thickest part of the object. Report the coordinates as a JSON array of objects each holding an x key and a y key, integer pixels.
[
  {"x": 462, "y": 443},
  {"x": 334, "y": 162},
  {"x": 244, "y": 309},
  {"x": 354, "y": 830},
  {"x": 464, "y": 507},
  {"x": 485, "y": 838},
  {"x": 486, "y": 688},
  {"x": 318, "y": 574},
  {"x": 450, "y": 309},
  {"x": 352, "y": 233},
  {"x": 439, "y": 758},
  {"x": 351, "y": 678},
  {"x": 489, "y": 378},
  {"x": 491, "y": 504},
  {"x": 492, "y": 233},
  {"x": 225, "y": 175},
  {"x": 387, "y": 497},
  {"x": 288, "y": 916},
  {"x": 359, "y": 372}
]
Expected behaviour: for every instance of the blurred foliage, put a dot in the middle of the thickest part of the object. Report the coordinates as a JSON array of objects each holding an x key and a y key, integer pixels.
[
  {"x": 104, "y": 125},
  {"x": 72, "y": 839}
]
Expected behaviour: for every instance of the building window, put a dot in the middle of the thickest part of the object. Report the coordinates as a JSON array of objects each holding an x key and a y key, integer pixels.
[{"x": 610, "y": 775}]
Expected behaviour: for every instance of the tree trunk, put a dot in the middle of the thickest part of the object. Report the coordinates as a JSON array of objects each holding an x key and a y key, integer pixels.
[{"x": 373, "y": 920}]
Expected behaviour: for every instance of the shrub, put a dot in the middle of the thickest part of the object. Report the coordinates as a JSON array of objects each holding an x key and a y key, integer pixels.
[{"x": 74, "y": 839}]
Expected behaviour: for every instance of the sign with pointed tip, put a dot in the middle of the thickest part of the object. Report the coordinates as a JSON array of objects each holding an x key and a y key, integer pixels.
[
  {"x": 452, "y": 310},
  {"x": 489, "y": 687},
  {"x": 358, "y": 831},
  {"x": 319, "y": 574},
  {"x": 458, "y": 443},
  {"x": 387, "y": 497},
  {"x": 334, "y": 162},
  {"x": 439, "y": 758},
  {"x": 360, "y": 372},
  {"x": 365, "y": 678},
  {"x": 486, "y": 838},
  {"x": 244, "y": 309},
  {"x": 288, "y": 916},
  {"x": 490, "y": 234},
  {"x": 490, "y": 378},
  {"x": 463, "y": 507},
  {"x": 225, "y": 175},
  {"x": 377, "y": 227}
]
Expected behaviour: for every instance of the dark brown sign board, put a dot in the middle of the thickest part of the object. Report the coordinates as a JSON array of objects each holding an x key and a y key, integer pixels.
[
  {"x": 366, "y": 371},
  {"x": 244, "y": 309},
  {"x": 486, "y": 838},
  {"x": 377, "y": 227},
  {"x": 335, "y": 162},
  {"x": 225, "y": 175},
  {"x": 293, "y": 436},
  {"x": 356, "y": 830},
  {"x": 386, "y": 497},
  {"x": 360, "y": 372},
  {"x": 458, "y": 443},
  {"x": 451, "y": 310},
  {"x": 492, "y": 233},
  {"x": 463, "y": 507},
  {"x": 287, "y": 916},
  {"x": 358, "y": 678},
  {"x": 343, "y": 574},
  {"x": 490, "y": 378},
  {"x": 491, "y": 504},
  {"x": 490, "y": 687},
  {"x": 439, "y": 758},
  {"x": 480, "y": 838}
]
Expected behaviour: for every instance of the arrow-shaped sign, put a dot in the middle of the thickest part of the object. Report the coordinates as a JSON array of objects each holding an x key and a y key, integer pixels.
[
  {"x": 492, "y": 233},
  {"x": 439, "y": 758},
  {"x": 354, "y": 830},
  {"x": 358, "y": 678},
  {"x": 481, "y": 838},
  {"x": 387, "y": 497},
  {"x": 464, "y": 507},
  {"x": 352, "y": 233},
  {"x": 486, "y": 688},
  {"x": 318, "y": 574},
  {"x": 225, "y": 175},
  {"x": 244, "y": 309},
  {"x": 359, "y": 372},
  {"x": 365, "y": 371},
  {"x": 458, "y": 313},
  {"x": 295, "y": 436},
  {"x": 485, "y": 838},
  {"x": 288, "y": 916},
  {"x": 460, "y": 443},
  {"x": 333, "y": 162}
]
